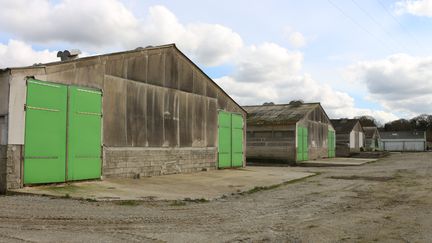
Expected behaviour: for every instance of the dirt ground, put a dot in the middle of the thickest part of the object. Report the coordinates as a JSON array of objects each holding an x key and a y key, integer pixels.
[{"x": 386, "y": 201}]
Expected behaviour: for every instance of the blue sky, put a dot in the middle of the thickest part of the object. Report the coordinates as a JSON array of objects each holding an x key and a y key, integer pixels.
[{"x": 355, "y": 57}]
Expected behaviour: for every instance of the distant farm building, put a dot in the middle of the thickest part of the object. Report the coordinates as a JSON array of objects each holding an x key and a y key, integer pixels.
[
  {"x": 289, "y": 132},
  {"x": 403, "y": 141},
  {"x": 372, "y": 138},
  {"x": 145, "y": 112},
  {"x": 349, "y": 136}
]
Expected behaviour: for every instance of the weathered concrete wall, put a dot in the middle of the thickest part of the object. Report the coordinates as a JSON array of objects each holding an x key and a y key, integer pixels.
[
  {"x": 137, "y": 162},
  {"x": 272, "y": 143},
  {"x": 143, "y": 115}
]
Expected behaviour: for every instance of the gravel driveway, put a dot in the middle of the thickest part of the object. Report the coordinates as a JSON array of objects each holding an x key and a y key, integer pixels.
[{"x": 386, "y": 201}]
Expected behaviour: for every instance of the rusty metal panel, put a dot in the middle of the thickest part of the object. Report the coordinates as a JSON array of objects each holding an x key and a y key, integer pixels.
[
  {"x": 222, "y": 101},
  {"x": 211, "y": 122},
  {"x": 137, "y": 68},
  {"x": 185, "y": 76},
  {"x": 114, "y": 112},
  {"x": 171, "y": 70},
  {"x": 3, "y": 130},
  {"x": 199, "y": 82},
  {"x": 115, "y": 67},
  {"x": 198, "y": 119},
  {"x": 155, "y": 100},
  {"x": 171, "y": 103},
  {"x": 211, "y": 90},
  {"x": 185, "y": 115},
  {"x": 136, "y": 107},
  {"x": 155, "y": 69},
  {"x": 89, "y": 75}
]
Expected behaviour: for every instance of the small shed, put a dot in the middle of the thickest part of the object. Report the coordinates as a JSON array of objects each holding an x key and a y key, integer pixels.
[
  {"x": 349, "y": 136},
  {"x": 145, "y": 112},
  {"x": 289, "y": 133},
  {"x": 372, "y": 138},
  {"x": 403, "y": 141}
]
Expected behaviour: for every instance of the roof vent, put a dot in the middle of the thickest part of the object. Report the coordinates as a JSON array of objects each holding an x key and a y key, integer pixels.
[{"x": 67, "y": 55}]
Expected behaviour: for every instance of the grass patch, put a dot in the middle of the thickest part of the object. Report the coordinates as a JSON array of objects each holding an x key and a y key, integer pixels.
[
  {"x": 66, "y": 189},
  {"x": 127, "y": 203},
  {"x": 196, "y": 200},
  {"x": 178, "y": 203},
  {"x": 265, "y": 188},
  {"x": 366, "y": 178}
]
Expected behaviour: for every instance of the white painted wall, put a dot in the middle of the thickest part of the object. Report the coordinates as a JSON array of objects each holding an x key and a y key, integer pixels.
[
  {"x": 17, "y": 99},
  {"x": 361, "y": 139},
  {"x": 352, "y": 139}
]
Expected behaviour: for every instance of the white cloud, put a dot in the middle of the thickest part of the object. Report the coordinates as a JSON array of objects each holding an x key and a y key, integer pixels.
[
  {"x": 401, "y": 83},
  {"x": 269, "y": 72},
  {"x": 415, "y": 7},
  {"x": 98, "y": 25},
  {"x": 297, "y": 39},
  {"x": 75, "y": 21},
  {"x": 265, "y": 72},
  {"x": 17, "y": 53}
]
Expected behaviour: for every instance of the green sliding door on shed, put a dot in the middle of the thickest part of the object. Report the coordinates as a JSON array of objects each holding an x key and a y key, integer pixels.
[
  {"x": 302, "y": 144},
  {"x": 84, "y": 134},
  {"x": 230, "y": 150},
  {"x": 45, "y": 132}
]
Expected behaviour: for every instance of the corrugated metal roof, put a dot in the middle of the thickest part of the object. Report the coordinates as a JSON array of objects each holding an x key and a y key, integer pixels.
[
  {"x": 343, "y": 126},
  {"x": 403, "y": 135},
  {"x": 278, "y": 114}
]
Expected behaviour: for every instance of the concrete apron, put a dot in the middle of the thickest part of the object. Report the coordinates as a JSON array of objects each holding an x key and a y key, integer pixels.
[
  {"x": 336, "y": 162},
  {"x": 201, "y": 185}
]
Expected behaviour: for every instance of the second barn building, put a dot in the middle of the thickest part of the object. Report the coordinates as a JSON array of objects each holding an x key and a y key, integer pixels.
[
  {"x": 349, "y": 136},
  {"x": 289, "y": 133}
]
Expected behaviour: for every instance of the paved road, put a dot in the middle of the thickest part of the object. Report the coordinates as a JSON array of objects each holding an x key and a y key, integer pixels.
[{"x": 386, "y": 201}]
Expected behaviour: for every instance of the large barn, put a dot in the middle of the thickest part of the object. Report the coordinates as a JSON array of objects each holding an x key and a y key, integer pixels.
[
  {"x": 350, "y": 136},
  {"x": 145, "y": 112},
  {"x": 289, "y": 133}
]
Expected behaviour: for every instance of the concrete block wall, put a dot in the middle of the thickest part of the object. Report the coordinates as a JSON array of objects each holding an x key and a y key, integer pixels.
[
  {"x": 3, "y": 149},
  {"x": 141, "y": 162},
  {"x": 10, "y": 167},
  {"x": 13, "y": 166}
]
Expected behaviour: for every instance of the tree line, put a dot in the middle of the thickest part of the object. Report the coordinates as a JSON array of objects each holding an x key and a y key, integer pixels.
[{"x": 419, "y": 123}]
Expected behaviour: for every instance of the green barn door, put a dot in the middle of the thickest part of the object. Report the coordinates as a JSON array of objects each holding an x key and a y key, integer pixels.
[
  {"x": 45, "y": 132},
  {"x": 84, "y": 134},
  {"x": 302, "y": 144},
  {"x": 230, "y": 149},
  {"x": 305, "y": 144},
  {"x": 299, "y": 143},
  {"x": 237, "y": 140},
  {"x": 224, "y": 121}
]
